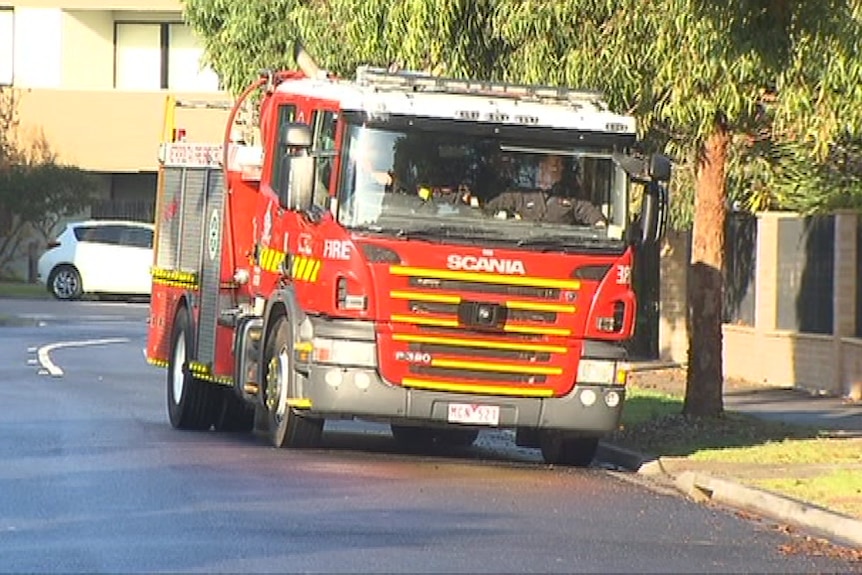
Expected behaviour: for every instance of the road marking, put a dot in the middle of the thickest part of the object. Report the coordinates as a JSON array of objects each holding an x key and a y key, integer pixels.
[{"x": 53, "y": 369}]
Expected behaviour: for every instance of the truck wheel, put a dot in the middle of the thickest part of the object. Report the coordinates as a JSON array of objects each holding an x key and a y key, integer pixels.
[
  {"x": 190, "y": 403},
  {"x": 287, "y": 428},
  {"x": 65, "y": 283},
  {"x": 234, "y": 415},
  {"x": 560, "y": 449}
]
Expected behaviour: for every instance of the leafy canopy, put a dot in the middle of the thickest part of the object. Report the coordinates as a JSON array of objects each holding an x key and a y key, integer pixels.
[{"x": 785, "y": 74}]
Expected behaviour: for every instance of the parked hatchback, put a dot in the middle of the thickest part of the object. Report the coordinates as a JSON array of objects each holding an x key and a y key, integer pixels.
[{"x": 99, "y": 256}]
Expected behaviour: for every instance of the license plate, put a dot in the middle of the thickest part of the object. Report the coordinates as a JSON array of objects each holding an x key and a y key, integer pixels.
[{"x": 474, "y": 414}]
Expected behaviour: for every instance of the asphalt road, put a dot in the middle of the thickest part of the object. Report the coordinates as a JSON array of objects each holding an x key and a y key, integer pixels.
[{"x": 93, "y": 479}]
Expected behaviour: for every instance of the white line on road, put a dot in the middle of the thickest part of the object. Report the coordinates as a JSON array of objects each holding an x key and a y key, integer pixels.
[{"x": 53, "y": 369}]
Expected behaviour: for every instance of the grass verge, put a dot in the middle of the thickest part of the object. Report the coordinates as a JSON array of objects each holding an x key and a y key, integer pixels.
[
  {"x": 13, "y": 289},
  {"x": 794, "y": 461}
]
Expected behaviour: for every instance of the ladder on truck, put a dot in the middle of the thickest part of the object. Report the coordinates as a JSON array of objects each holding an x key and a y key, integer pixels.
[{"x": 386, "y": 79}]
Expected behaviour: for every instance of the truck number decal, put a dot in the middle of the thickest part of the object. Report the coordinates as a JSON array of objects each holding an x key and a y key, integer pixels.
[
  {"x": 624, "y": 274},
  {"x": 413, "y": 356}
]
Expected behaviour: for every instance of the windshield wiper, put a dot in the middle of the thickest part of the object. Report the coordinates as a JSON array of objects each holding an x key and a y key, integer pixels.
[
  {"x": 424, "y": 233},
  {"x": 566, "y": 243}
]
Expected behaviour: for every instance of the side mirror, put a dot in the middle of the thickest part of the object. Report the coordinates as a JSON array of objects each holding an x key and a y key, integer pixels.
[
  {"x": 654, "y": 212},
  {"x": 655, "y": 169},
  {"x": 296, "y": 167},
  {"x": 297, "y": 186},
  {"x": 659, "y": 168}
]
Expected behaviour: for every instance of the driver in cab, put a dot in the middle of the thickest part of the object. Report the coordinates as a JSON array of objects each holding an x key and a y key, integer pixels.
[{"x": 554, "y": 200}]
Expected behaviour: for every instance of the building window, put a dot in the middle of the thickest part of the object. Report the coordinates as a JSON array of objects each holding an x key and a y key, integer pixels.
[
  {"x": 166, "y": 56},
  {"x": 7, "y": 42}
]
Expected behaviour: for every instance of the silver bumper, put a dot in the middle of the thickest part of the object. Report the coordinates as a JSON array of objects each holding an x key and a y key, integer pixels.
[{"x": 363, "y": 394}]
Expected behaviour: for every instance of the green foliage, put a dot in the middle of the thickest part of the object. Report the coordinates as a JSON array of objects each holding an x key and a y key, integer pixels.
[
  {"x": 41, "y": 194},
  {"x": 785, "y": 73}
]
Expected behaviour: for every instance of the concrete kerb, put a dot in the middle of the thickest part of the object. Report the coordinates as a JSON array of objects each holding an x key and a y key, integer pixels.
[{"x": 700, "y": 487}]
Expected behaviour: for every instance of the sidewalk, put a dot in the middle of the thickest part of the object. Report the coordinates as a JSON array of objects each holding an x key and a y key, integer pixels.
[{"x": 724, "y": 483}]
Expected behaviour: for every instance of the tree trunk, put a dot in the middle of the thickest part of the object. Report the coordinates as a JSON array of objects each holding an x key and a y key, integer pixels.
[{"x": 703, "y": 393}]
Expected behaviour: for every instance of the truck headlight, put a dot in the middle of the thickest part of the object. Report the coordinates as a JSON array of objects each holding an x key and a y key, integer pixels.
[
  {"x": 599, "y": 371},
  {"x": 344, "y": 352}
]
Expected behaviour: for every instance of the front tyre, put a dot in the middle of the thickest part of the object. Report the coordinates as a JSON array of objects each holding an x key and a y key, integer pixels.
[
  {"x": 287, "y": 428},
  {"x": 561, "y": 449},
  {"x": 190, "y": 400},
  {"x": 64, "y": 282}
]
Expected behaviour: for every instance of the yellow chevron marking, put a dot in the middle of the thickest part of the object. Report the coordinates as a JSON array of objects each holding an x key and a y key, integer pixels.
[
  {"x": 270, "y": 259},
  {"x": 309, "y": 269},
  {"x": 477, "y": 389},
  {"x": 279, "y": 259},
  {"x": 479, "y": 343},
  {"x": 536, "y": 306},
  {"x": 315, "y": 271},
  {"x": 425, "y": 320},
  {"x": 295, "y": 267},
  {"x": 501, "y": 367},
  {"x": 419, "y": 296},
  {"x": 485, "y": 277}
]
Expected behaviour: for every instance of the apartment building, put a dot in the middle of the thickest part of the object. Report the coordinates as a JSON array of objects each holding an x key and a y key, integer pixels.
[{"x": 92, "y": 77}]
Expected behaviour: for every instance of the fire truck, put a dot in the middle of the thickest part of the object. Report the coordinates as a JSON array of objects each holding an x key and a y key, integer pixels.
[{"x": 339, "y": 256}]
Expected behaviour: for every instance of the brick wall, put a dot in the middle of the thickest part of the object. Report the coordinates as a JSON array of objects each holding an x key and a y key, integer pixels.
[{"x": 830, "y": 363}]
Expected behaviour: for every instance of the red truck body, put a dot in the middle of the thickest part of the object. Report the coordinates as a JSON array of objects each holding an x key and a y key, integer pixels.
[{"x": 284, "y": 286}]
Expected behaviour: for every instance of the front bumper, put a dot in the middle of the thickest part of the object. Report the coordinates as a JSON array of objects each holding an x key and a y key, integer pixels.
[{"x": 337, "y": 392}]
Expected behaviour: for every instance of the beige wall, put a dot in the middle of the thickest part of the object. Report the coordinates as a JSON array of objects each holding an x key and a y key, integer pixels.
[
  {"x": 112, "y": 131},
  {"x": 169, "y": 5},
  {"x": 88, "y": 50}
]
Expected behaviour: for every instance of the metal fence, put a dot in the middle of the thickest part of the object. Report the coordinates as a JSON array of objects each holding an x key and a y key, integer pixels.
[
  {"x": 135, "y": 210},
  {"x": 740, "y": 269}
]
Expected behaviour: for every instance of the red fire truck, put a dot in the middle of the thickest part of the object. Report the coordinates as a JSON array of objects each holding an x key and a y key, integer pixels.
[{"x": 353, "y": 260}]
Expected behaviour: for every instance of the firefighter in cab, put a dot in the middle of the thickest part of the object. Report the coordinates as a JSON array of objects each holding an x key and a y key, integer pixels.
[{"x": 554, "y": 200}]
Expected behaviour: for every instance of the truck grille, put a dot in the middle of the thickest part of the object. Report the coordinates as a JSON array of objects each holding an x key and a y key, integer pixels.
[{"x": 439, "y": 342}]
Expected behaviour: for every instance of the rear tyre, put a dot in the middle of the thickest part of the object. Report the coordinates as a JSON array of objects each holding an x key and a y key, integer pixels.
[
  {"x": 287, "y": 428},
  {"x": 234, "y": 415},
  {"x": 560, "y": 449},
  {"x": 190, "y": 400},
  {"x": 64, "y": 283}
]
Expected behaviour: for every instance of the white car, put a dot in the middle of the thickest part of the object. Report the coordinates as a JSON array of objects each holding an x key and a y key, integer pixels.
[{"x": 99, "y": 256}]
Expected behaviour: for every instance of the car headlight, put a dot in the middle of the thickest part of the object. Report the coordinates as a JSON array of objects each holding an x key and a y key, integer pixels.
[
  {"x": 344, "y": 352},
  {"x": 599, "y": 371}
]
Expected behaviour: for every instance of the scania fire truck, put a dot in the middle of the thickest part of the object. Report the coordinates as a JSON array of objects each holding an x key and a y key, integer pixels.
[{"x": 335, "y": 258}]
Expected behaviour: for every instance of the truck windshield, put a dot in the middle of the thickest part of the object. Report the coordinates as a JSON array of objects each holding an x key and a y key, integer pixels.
[{"x": 413, "y": 181}]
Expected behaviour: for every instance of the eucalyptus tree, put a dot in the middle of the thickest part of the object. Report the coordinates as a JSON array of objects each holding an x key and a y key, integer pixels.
[
  {"x": 704, "y": 78},
  {"x": 242, "y": 37},
  {"x": 746, "y": 86}
]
